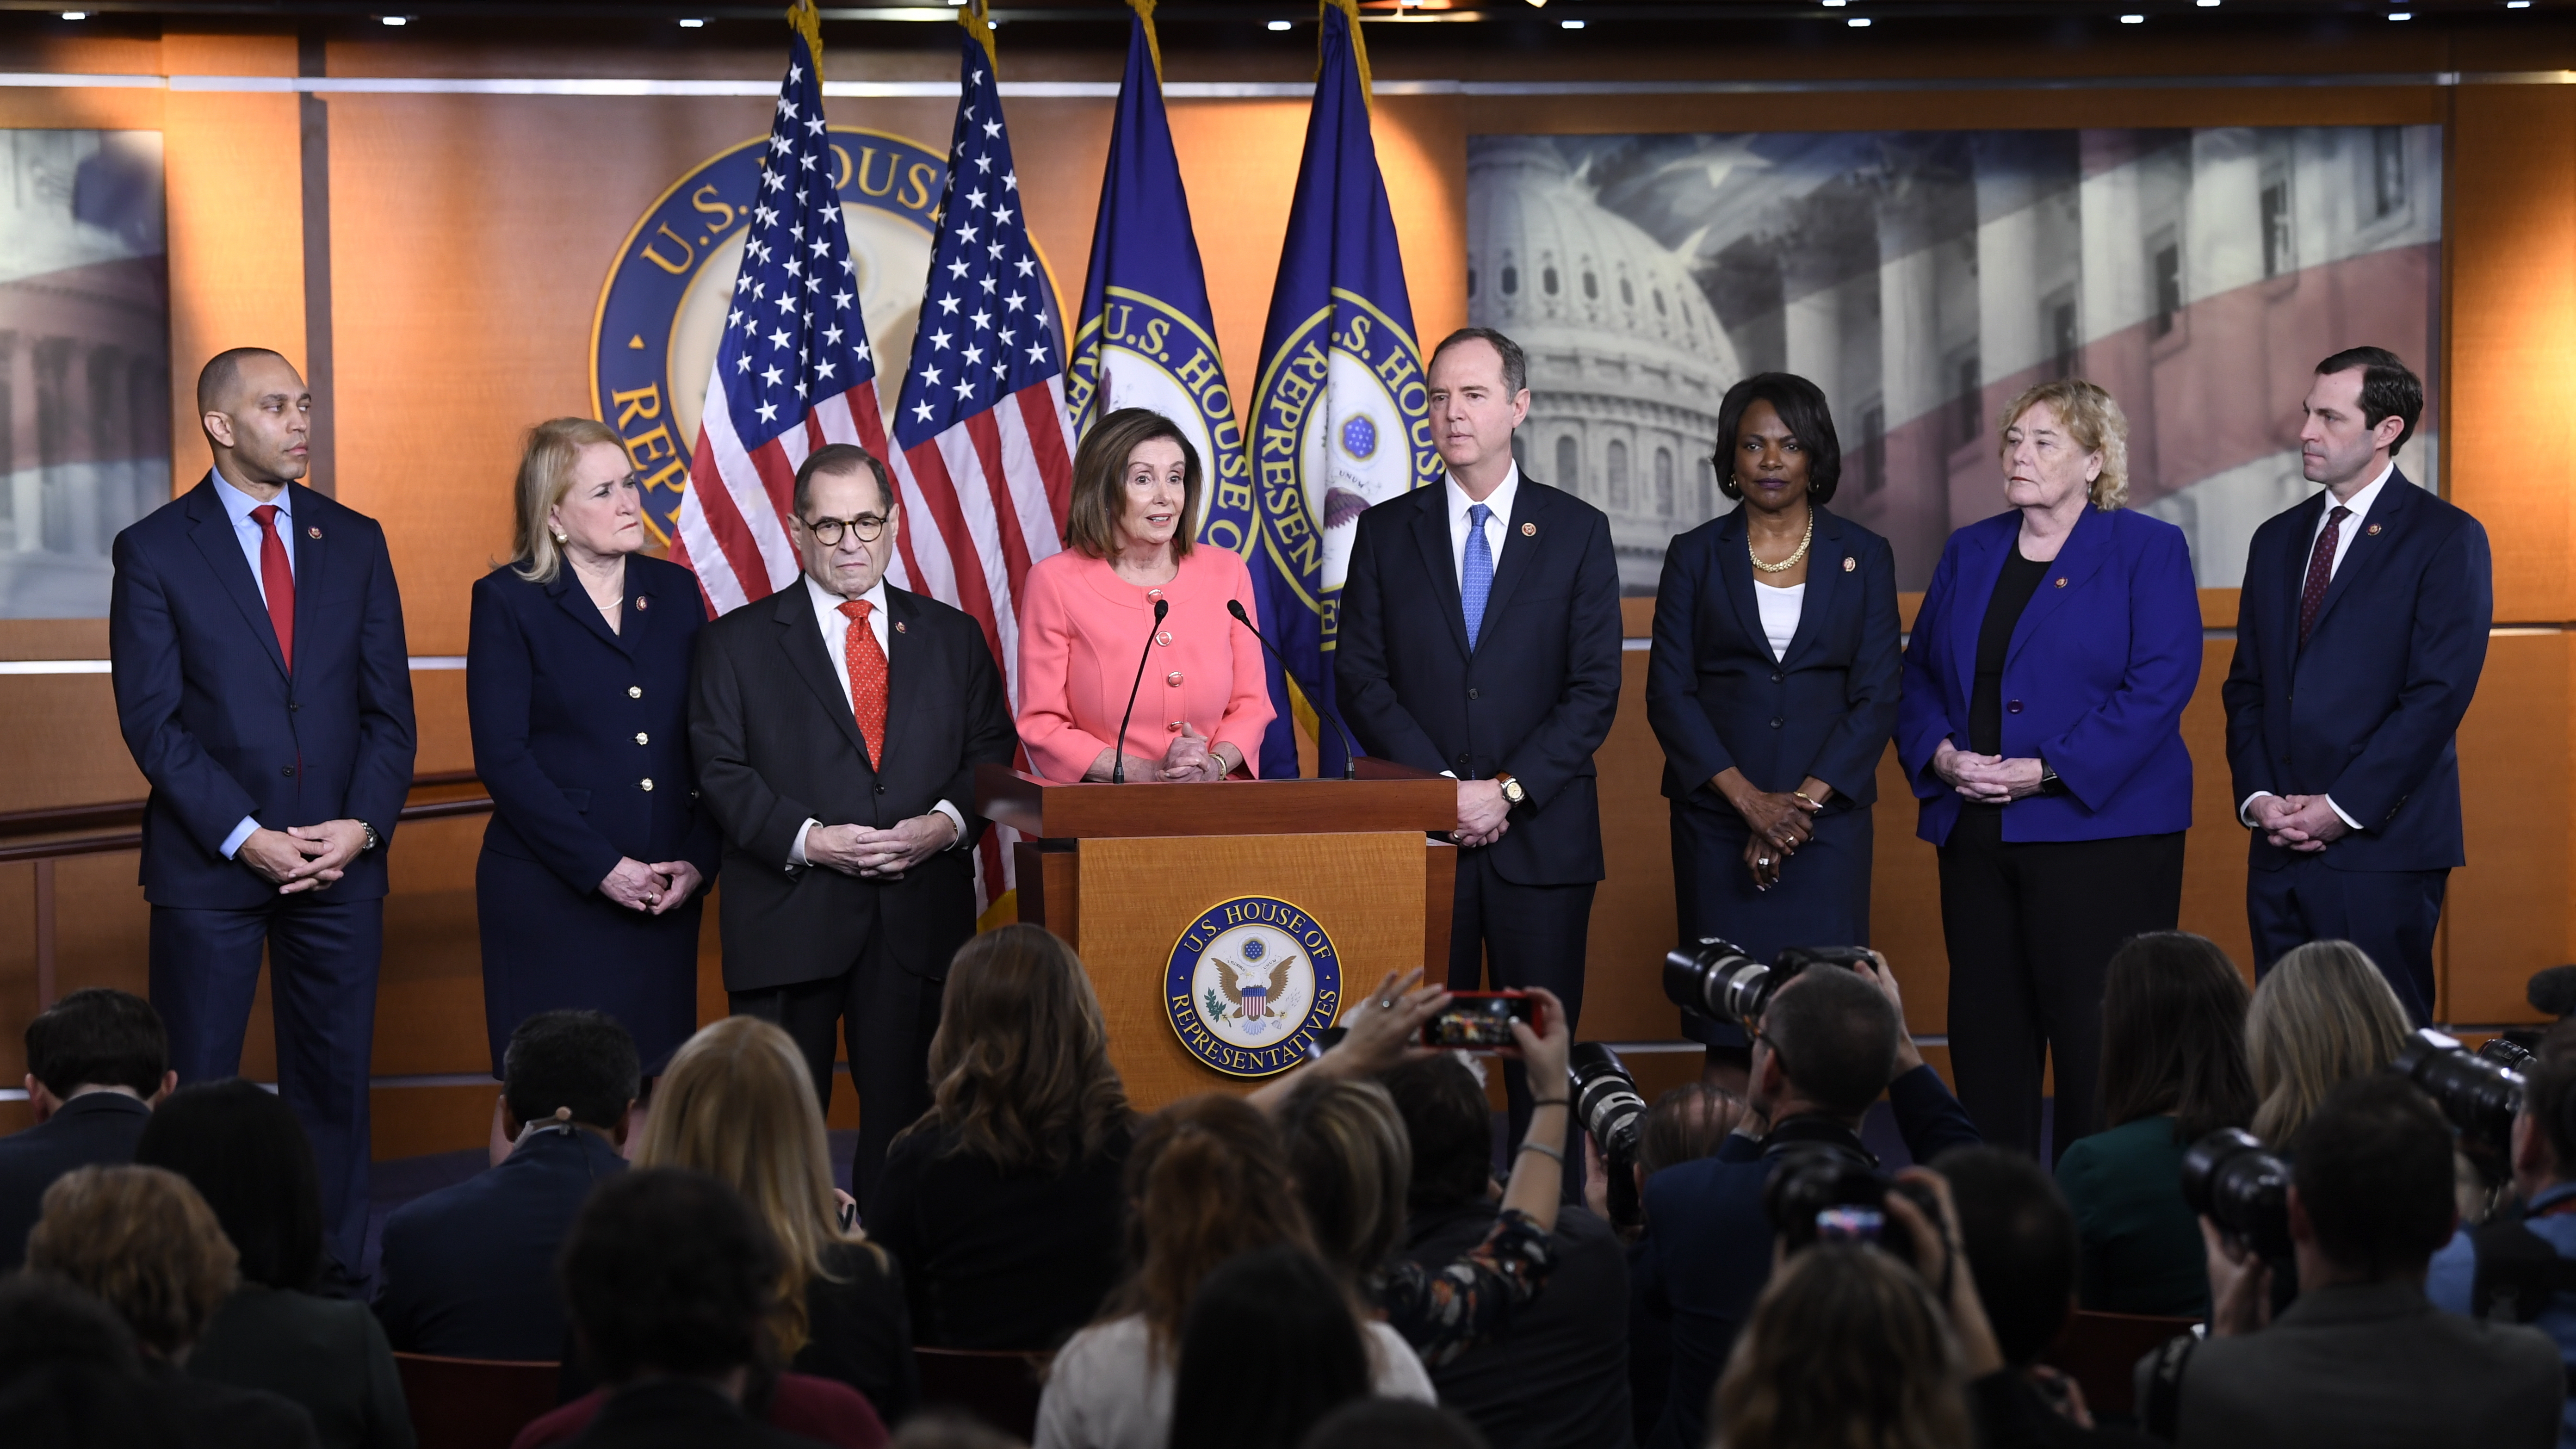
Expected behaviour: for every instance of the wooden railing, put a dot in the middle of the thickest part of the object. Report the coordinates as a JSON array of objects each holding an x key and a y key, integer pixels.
[{"x": 44, "y": 837}]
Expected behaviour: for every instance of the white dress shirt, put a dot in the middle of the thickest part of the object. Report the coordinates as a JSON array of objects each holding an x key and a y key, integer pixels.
[
  {"x": 836, "y": 637},
  {"x": 1497, "y": 528},
  {"x": 246, "y": 530},
  {"x": 1780, "y": 609},
  {"x": 2359, "y": 509}
]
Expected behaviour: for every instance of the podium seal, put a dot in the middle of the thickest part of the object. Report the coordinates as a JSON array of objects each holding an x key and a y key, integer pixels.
[{"x": 1251, "y": 984}]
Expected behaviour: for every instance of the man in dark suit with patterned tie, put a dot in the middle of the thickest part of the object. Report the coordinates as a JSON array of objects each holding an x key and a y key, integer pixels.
[
  {"x": 837, "y": 725},
  {"x": 1479, "y": 637},
  {"x": 264, "y": 688},
  {"x": 2360, "y": 633}
]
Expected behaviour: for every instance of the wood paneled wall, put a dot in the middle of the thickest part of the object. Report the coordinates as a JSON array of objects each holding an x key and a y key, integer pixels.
[{"x": 471, "y": 233}]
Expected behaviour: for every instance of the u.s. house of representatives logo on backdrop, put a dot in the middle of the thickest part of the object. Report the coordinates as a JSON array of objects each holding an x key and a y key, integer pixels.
[
  {"x": 662, "y": 310},
  {"x": 1252, "y": 982}
]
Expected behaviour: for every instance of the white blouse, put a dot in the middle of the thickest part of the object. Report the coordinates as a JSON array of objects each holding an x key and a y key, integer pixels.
[
  {"x": 1780, "y": 610},
  {"x": 1107, "y": 1391}
]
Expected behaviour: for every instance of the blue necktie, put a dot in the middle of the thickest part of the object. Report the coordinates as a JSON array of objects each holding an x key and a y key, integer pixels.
[{"x": 1477, "y": 578}]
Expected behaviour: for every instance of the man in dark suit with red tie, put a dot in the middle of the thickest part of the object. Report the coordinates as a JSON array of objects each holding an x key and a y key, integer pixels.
[
  {"x": 837, "y": 725},
  {"x": 264, "y": 687},
  {"x": 2360, "y": 633}
]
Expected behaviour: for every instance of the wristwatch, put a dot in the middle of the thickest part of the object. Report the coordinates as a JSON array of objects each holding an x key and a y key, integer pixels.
[
  {"x": 370, "y": 842},
  {"x": 2049, "y": 784},
  {"x": 1512, "y": 791}
]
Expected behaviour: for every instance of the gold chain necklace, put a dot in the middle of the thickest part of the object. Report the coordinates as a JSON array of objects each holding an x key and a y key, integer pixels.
[{"x": 1792, "y": 561}]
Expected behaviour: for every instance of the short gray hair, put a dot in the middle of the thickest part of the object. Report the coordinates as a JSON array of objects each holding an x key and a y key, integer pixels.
[
  {"x": 841, "y": 458},
  {"x": 1515, "y": 361}
]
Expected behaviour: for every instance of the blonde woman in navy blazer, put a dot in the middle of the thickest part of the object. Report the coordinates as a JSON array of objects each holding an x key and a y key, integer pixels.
[
  {"x": 1771, "y": 743},
  {"x": 2041, "y": 726}
]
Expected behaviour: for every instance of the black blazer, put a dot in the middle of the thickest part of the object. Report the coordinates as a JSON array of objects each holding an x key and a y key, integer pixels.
[
  {"x": 1826, "y": 707},
  {"x": 2387, "y": 673},
  {"x": 1536, "y": 697},
  {"x": 570, "y": 718},
  {"x": 95, "y": 1129},
  {"x": 776, "y": 745},
  {"x": 468, "y": 1270}
]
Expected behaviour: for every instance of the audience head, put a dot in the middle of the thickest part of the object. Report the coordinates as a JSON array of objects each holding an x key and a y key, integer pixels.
[
  {"x": 737, "y": 1103},
  {"x": 97, "y": 1037},
  {"x": 2021, "y": 1243},
  {"x": 1686, "y": 1123},
  {"x": 1269, "y": 1348},
  {"x": 581, "y": 1062},
  {"x": 1393, "y": 1424},
  {"x": 1844, "y": 1347},
  {"x": 1450, "y": 1127},
  {"x": 1353, "y": 1166},
  {"x": 2544, "y": 1132},
  {"x": 246, "y": 1155},
  {"x": 2370, "y": 1180},
  {"x": 1827, "y": 1043},
  {"x": 2322, "y": 1015},
  {"x": 669, "y": 1272},
  {"x": 1207, "y": 1180},
  {"x": 1019, "y": 1069},
  {"x": 945, "y": 1429},
  {"x": 69, "y": 1374},
  {"x": 143, "y": 1242},
  {"x": 2173, "y": 1036}
]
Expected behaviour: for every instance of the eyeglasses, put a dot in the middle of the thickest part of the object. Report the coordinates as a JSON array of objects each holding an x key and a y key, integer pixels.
[{"x": 868, "y": 527}]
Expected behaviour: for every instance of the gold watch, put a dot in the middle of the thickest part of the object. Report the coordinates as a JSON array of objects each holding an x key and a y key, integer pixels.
[{"x": 1512, "y": 791}]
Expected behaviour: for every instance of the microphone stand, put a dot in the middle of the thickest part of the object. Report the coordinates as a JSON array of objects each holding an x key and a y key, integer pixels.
[
  {"x": 1118, "y": 746},
  {"x": 1351, "y": 746}
]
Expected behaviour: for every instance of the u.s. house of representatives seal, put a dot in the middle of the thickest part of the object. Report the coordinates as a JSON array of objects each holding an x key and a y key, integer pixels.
[{"x": 1251, "y": 983}]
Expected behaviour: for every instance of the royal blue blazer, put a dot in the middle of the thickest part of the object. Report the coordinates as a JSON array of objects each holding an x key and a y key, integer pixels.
[
  {"x": 2100, "y": 667},
  {"x": 2388, "y": 670},
  {"x": 218, "y": 724},
  {"x": 1716, "y": 697}
]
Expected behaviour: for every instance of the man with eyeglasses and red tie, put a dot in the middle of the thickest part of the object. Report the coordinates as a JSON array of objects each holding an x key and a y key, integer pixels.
[
  {"x": 837, "y": 725},
  {"x": 264, "y": 688}
]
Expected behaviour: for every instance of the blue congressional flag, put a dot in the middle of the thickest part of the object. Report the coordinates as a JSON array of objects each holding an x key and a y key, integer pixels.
[
  {"x": 1340, "y": 417},
  {"x": 1147, "y": 337}
]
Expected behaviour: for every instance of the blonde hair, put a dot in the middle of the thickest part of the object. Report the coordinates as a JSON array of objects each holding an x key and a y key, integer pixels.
[
  {"x": 545, "y": 475},
  {"x": 1353, "y": 1164},
  {"x": 2321, "y": 1016},
  {"x": 737, "y": 1103},
  {"x": 2091, "y": 417},
  {"x": 142, "y": 1240},
  {"x": 1845, "y": 1348}
]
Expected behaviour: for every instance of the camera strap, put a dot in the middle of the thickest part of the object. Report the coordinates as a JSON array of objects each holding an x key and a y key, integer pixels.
[
  {"x": 2163, "y": 1407},
  {"x": 1810, "y": 1130}
]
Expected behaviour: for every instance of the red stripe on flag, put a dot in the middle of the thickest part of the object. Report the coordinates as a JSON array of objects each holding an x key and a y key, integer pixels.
[
  {"x": 939, "y": 495},
  {"x": 707, "y": 485},
  {"x": 1043, "y": 416},
  {"x": 987, "y": 436}
]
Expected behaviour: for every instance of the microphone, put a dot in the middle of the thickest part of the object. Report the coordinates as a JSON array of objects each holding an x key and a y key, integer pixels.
[
  {"x": 1351, "y": 750},
  {"x": 1118, "y": 746}
]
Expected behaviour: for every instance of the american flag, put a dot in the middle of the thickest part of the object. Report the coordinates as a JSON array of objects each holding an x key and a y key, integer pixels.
[
  {"x": 793, "y": 372},
  {"x": 985, "y": 451}
]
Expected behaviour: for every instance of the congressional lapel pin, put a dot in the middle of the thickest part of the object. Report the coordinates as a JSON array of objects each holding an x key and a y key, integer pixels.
[
  {"x": 2061, "y": 581},
  {"x": 2372, "y": 530},
  {"x": 1850, "y": 563},
  {"x": 898, "y": 626},
  {"x": 642, "y": 602},
  {"x": 1529, "y": 530},
  {"x": 313, "y": 532}
]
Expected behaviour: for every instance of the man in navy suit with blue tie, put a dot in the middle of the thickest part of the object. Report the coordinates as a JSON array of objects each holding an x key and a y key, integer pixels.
[
  {"x": 264, "y": 688},
  {"x": 2359, "y": 637}
]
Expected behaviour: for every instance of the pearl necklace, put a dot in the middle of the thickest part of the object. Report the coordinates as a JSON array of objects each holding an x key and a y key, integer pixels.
[{"x": 1792, "y": 561}]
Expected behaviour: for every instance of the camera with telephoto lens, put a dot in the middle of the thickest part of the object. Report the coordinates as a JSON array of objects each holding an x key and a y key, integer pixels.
[
  {"x": 2509, "y": 1054},
  {"x": 1607, "y": 1102},
  {"x": 2236, "y": 1182},
  {"x": 1820, "y": 1193},
  {"x": 1719, "y": 978},
  {"x": 2478, "y": 1094}
]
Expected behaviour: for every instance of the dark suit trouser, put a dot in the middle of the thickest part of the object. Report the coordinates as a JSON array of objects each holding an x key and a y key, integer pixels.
[
  {"x": 2390, "y": 914},
  {"x": 886, "y": 1015},
  {"x": 1530, "y": 936},
  {"x": 2030, "y": 929},
  {"x": 322, "y": 956}
]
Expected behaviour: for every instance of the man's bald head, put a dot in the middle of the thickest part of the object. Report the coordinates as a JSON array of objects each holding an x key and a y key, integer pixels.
[
  {"x": 258, "y": 417},
  {"x": 222, "y": 377}
]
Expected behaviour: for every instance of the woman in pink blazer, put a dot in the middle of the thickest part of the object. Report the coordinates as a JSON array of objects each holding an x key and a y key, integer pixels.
[{"x": 1085, "y": 614}]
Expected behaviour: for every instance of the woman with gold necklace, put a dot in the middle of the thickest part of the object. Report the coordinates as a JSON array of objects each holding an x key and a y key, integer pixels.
[{"x": 1772, "y": 688}]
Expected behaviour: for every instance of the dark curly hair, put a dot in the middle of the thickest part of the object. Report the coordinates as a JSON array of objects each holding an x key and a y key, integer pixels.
[{"x": 1801, "y": 405}]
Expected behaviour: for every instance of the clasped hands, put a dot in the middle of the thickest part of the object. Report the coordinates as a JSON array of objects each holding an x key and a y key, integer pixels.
[
  {"x": 1483, "y": 813},
  {"x": 1778, "y": 821},
  {"x": 2297, "y": 822},
  {"x": 1190, "y": 758},
  {"x": 653, "y": 889},
  {"x": 303, "y": 857},
  {"x": 872, "y": 854},
  {"x": 1987, "y": 779}
]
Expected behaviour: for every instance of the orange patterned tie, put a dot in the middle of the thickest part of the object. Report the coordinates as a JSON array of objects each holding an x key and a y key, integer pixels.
[{"x": 867, "y": 665}]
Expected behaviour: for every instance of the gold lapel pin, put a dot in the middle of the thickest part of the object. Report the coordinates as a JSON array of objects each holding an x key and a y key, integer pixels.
[
  {"x": 2372, "y": 530},
  {"x": 1850, "y": 563},
  {"x": 314, "y": 532},
  {"x": 1529, "y": 530}
]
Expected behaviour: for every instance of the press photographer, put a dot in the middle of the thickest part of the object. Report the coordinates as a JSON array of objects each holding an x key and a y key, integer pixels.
[{"x": 1828, "y": 1034}]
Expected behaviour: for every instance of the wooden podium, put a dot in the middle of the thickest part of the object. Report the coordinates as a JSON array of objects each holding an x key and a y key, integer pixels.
[{"x": 1125, "y": 873}]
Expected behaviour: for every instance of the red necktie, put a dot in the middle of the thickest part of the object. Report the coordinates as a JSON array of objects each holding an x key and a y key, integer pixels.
[
  {"x": 277, "y": 580},
  {"x": 2320, "y": 572},
  {"x": 867, "y": 664}
]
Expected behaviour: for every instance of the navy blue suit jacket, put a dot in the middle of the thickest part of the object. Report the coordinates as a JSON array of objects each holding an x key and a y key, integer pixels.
[
  {"x": 469, "y": 1270},
  {"x": 1717, "y": 698},
  {"x": 2100, "y": 667},
  {"x": 1535, "y": 698},
  {"x": 219, "y": 727},
  {"x": 569, "y": 716},
  {"x": 1707, "y": 1250},
  {"x": 95, "y": 1129},
  {"x": 2381, "y": 686}
]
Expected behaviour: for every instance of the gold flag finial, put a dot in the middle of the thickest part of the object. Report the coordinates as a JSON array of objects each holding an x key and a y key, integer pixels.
[
  {"x": 1359, "y": 47},
  {"x": 979, "y": 24},
  {"x": 1145, "y": 11},
  {"x": 808, "y": 22}
]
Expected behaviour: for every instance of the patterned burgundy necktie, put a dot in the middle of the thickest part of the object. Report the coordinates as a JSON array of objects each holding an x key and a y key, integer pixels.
[
  {"x": 867, "y": 664},
  {"x": 2320, "y": 572},
  {"x": 277, "y": 581}
]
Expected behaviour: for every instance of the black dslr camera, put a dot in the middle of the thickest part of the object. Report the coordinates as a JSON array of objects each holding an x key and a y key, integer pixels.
[
  {"x": 2478, "y": 1092},
  {"x": 1614, "y": 1112},
  {"x": 1718, "y": 978},
  {"x": 1820, "y": 1193},
  {"x": 2244, "y": 1187}
]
